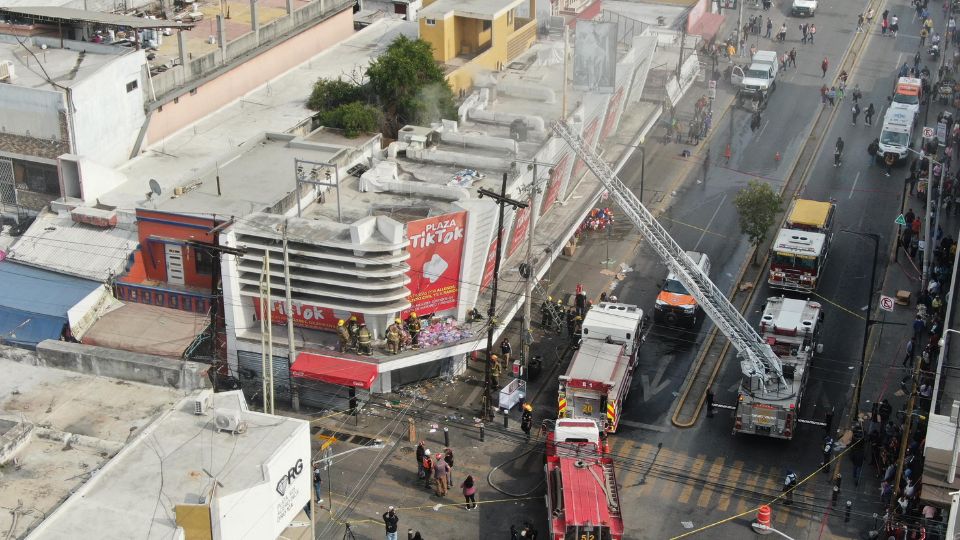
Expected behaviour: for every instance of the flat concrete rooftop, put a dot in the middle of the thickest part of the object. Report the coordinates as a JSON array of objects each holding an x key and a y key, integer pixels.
[
  {"x": 103, "y": 413},
  {"x": 176, "y": 461},
  {"x": 62, "y": 66},
  {"x": 474, "y": 9}
]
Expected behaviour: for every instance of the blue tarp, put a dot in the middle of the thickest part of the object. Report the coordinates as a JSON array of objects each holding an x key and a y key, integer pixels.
[{"x": 34, "y": 302}]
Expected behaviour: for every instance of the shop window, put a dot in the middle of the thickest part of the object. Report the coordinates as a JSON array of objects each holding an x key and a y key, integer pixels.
[{"x": 204, "y": 261}]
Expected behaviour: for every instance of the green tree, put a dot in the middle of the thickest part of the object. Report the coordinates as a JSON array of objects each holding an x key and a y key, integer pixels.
[
  {"x": 410, "y": 85},
  {"x": 328, "y": 94},
  {"x": 353, "y": 118},
  {"x": 757, "y": 205}
]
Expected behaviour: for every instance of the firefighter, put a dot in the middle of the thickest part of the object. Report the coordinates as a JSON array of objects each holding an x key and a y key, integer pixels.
[
  {"x": 413, "y": 328},
  {"x": 577, "y": 329},
  {"x": 343, "y": 336},
  {"x": 571, "y": 322},
  {"x": 494, "y": 371},
  {"x": 526, "y": 420},
  {"x": 353, "y": 328},
  {"x": 545, "y": 307},
  {"x": 558, "y": 316},
  {"x": 581, "y": 300},
  {"x": 393, "y": 337},
  {"x": 363, "y": 340}
]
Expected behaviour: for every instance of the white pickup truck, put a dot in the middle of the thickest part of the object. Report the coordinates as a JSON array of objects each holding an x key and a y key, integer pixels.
[
  {"x": 803, "y": 7},
  {"x": 759, "y": 78}
]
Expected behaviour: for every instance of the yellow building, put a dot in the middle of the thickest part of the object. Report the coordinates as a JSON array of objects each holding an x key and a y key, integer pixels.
[{"x": 469, "y": 36}]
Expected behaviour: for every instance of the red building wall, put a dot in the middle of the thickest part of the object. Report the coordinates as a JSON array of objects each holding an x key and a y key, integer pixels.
[{"x": 156, "y": 229}]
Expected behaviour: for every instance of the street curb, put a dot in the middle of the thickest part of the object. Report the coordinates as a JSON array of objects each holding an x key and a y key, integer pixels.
[{"x": 705, "y": 348}]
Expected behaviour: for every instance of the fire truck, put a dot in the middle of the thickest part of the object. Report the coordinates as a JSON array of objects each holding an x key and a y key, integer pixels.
[
  {"x": 598, "y": 379},
  {"x": 792, "y": 328},
  {"x": 800, "y": 251},
  {"x": 582, "y": 497}
]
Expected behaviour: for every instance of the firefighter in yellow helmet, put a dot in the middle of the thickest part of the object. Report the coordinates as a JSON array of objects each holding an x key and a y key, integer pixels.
[
  {"x": 413, "y": 328},
  {"x": 363, "y": 340},
  {"x": 343, "y": 336},
  {"x": 545, "y": 308},
  {"x": 393, "y": 337},
  {"x": 494, "y": 372},
  {"x": 526, "y": 420},
  {"x": 353, "y": 328}
]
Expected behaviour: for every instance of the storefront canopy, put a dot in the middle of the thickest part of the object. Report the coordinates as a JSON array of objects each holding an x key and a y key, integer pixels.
[
  {"x": 334, "y": 370},
  {"x": 34, "y": 302}
]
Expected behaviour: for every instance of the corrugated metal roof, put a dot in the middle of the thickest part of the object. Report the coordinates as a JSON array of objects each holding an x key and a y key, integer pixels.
[
  {"x": 33, "y": 290},
  {"x": 62, "y": 14},
  {"x": 75, "y": 249}
]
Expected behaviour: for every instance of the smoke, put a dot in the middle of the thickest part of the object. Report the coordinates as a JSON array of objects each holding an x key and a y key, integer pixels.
[{"x": 430, "y": 103}]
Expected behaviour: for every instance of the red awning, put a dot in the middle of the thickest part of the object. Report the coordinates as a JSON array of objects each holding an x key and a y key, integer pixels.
[{"x": 334, "y": 370}]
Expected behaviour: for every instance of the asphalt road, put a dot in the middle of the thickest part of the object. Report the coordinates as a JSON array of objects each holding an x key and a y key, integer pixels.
[{"x": 704, "y": 219}]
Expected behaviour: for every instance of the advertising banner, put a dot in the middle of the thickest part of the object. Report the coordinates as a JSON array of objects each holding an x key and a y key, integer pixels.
[
  {"x": 595, "y": 56},
  {"x": 520, "y": 227},
  {"x": 490, "y": 264},
  {"x": 306, "y": 315},
  {"x": 436, "y": 248},
  {"x": 614, "y": 109},
  {"x": 556, "y": 180},
  {"x": 590, "y": 138}
]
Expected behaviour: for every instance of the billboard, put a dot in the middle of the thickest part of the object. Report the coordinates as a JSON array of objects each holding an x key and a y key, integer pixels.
[
  {"x": 306, "y": 315},
  {"x": 520, "y": 226},
  {"x": 595, "y": 57},
  {"x": 490, "y": 264},
  {"x": 436, "y": 249},
  {"x": 556, "y": 180}
]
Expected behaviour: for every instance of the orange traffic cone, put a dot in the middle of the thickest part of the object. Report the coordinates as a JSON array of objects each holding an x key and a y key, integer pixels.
[
  {"x": 762, "y": 524},
  {"x": 776, "y": 157}
]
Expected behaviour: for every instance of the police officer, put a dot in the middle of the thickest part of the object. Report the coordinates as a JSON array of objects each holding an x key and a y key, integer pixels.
[
  {"x": 393, "y": 337},
  {"x": 788, "y": 483},
  {"x": 363, "y": 340},
  {"x": 343, "y": 336},
  {"x": 526, "y": 420},
  {"x": 413, "y": 328},
  {"x": 353, "y": 328}
]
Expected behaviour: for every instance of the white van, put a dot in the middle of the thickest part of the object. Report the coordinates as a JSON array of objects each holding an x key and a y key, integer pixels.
[{"x": 896, "y": 133}]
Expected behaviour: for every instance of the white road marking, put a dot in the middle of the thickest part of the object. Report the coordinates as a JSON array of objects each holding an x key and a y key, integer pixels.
[
  {"x": 765, "y": 124},
  {"x": 854, "y": 186}
]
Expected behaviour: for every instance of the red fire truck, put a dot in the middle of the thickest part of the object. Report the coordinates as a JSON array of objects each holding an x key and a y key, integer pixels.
[
  {"x": 582, "y": 497},
  {"x": 598, "y": 379}
]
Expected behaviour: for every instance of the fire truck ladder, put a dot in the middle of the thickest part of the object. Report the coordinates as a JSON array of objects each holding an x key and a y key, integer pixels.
[
  {"x": 556, "y": 322},
  {"x": 757, "y": 359}
]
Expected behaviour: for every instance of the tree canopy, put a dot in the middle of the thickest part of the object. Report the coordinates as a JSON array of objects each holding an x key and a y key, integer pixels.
[{"x": 757, "y": 205}]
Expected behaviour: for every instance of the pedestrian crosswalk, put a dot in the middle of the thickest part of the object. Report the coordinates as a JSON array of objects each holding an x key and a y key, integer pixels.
[{"x": 716, "y": 483}]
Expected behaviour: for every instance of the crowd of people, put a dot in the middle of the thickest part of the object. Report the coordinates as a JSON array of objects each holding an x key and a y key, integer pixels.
[{"x": 597, "y": 220}]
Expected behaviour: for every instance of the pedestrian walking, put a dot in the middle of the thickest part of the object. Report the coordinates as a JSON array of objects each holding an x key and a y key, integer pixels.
[
  {"x": 782, "y": 35},
  {"x": 793, "y": 57},
  {"x": 918, "y": 326},
  {"x": 421, "y": 451},
  {"x": 448, "y": 457},
  {"x": 868, "y": 116},
  {"x": 769, "y": 28},
  {"x": 894, "y": 26},
  {"x": 824, "y": 66},
  {"x": 505, "y": 350},
  {"x": 855, "y": 111},
  {"x": 884, "y": 26},
  {"x": 390, "y": 521},
  {"x": 856, "y": 93},
  {"x": 804, "y": 30},
  {"x": 469, "y": 487},
  {"x": 832, "y": 95},
  {"x": 440, "y": 470},
  {"x": 872, "y": 150},
  {"x": 860, "y": 23},
  {"x": 908, "y": 358},
  {"x": 884, "y": 411},
  {"x": 823, "y": 94},
  {"x": 427, "y": 468},
  {"x": 813, "y": 33},
  {"x": 923, "y": 37}
]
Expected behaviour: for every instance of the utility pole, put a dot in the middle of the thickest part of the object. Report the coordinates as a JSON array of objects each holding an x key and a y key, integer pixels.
[
  {"x": 266, "y": 335},
  {"x": 291, "y": 345},
  {"x": 683, "y": 40},
  {"x": 928, "y": 223},
  {"x": 527, "y": 336},
  {"x": 906, "y": 436},
  {"x": 502, "y": 201},
  {"x": 741, "y": 39}
]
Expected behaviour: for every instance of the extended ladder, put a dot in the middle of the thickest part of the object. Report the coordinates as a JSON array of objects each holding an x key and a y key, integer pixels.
[{"x": 756, "y": 357}]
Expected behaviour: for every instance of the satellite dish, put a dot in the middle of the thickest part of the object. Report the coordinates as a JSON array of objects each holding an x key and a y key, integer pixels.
[{"x": 155, "y": 187}]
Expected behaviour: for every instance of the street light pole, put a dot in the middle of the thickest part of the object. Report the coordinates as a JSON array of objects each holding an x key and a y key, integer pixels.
[{"x": 868, "y": 322}]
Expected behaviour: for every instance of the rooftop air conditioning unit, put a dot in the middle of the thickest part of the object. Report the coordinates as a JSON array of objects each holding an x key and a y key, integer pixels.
[
  {"x": 6, "y": 71},
  {"x": 229, "y": 421},
  {"x": 202, "y": 402}
]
